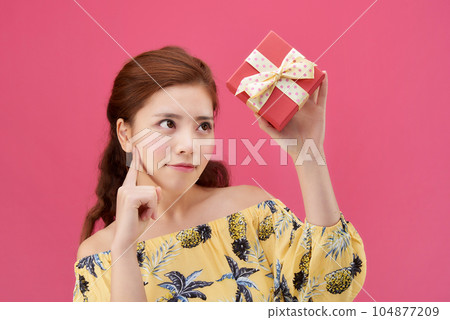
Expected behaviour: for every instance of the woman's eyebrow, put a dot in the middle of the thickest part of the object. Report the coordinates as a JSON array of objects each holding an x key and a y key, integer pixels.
[{"x": 177, "y": 116}]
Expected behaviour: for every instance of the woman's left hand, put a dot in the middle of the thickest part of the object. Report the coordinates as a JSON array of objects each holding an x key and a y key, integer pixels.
[{"x": 307, "y": 123}]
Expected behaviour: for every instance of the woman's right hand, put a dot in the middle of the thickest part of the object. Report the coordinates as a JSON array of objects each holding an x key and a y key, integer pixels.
[{"x": 130, "y": 198}]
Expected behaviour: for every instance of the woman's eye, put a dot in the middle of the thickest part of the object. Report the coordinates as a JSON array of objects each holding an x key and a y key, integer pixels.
[
  {"x": 168, "y": 121},
  {"x": 208, "y": 126}
]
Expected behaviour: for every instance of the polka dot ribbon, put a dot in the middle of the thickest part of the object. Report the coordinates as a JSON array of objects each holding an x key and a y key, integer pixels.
[{"x": 259, "y": 86}]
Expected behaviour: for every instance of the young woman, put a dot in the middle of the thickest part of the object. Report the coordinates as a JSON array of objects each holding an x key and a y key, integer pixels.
[{"x": 210, "y": 241}]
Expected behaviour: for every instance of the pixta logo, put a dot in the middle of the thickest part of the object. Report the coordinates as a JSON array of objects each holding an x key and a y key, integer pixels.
[{"x": 148, "y": 141}]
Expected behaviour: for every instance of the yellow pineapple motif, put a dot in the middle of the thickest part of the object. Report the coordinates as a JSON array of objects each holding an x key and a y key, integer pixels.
[
  {"x": 192, "y": 237},
  {"x": 338, "y": 281},
  {"x": 265, "y": 228},
  {"x": 237, "y": 228},
  {"x": 141, "y": 253},
  {"x": 301, "y": 277}
]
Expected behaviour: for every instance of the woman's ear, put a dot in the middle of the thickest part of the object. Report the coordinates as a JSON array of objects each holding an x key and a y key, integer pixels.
[{"x": 124, "y": 135}]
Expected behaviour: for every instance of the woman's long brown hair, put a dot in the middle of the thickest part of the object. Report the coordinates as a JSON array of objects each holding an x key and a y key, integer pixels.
[{"x": 168, "y": 66}]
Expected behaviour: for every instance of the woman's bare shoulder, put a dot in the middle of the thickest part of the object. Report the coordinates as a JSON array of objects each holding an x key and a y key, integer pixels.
[
  {"x": 244, "y": 196},
  {"x": 96, "y": 243}
]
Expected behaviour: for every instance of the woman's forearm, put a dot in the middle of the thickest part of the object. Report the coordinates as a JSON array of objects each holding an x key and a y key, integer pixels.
[
  {"x": 319, "y": 200},
  {"x": 126, "y": 279}
]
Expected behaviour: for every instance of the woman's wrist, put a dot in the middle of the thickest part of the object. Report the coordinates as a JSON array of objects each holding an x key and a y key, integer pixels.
[
  {"x": 120, "y": 246},
  {"x": 124, "y": 255},
  {"x": 317, "y": 154}
]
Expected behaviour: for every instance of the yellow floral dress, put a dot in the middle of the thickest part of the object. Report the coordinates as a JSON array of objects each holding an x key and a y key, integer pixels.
[{"x": 261, "y": 253}]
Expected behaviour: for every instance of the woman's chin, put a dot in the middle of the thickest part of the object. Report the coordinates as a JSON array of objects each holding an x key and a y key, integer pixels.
[{"x": 176, "y": 181}]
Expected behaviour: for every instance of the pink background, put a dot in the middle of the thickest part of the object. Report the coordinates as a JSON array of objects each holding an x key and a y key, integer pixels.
[{"x": 386, "y": 143}]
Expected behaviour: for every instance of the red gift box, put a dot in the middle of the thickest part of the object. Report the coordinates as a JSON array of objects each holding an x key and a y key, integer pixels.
[{"x": 279, "y": 109}]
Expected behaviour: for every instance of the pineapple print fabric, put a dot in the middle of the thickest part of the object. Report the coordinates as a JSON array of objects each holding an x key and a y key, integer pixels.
[{"x": 261, "y": 253}]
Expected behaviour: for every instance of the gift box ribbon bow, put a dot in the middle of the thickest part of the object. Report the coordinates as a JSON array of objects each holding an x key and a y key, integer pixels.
[{"x": 259, "y": 86}]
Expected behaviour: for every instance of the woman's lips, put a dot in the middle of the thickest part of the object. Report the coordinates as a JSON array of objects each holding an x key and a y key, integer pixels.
[{"x": 182, "y": 168}]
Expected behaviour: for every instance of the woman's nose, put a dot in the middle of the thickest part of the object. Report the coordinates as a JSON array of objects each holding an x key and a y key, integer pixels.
[{"x": 184, "y": 143}]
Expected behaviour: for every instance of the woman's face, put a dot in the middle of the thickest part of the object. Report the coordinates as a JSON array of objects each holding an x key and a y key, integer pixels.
[{"x": 165, "y": 134}]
